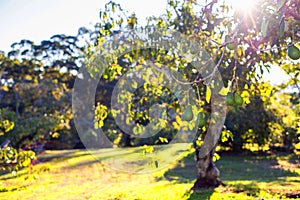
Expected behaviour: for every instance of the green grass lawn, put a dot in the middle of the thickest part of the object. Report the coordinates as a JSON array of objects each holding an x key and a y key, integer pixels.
[{"x": 76, "y": 174}]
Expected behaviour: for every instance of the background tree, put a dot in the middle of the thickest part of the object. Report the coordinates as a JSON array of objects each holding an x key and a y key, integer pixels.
[
  {"x": 37, "y": 85},
  {"x": 10, "y": 158}
]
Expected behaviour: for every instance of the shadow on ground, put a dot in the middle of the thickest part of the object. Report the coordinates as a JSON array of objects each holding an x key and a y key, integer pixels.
[{"x": 239, "y": 173}]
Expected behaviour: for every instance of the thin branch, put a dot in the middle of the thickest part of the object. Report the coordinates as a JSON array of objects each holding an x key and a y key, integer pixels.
[
  {"x": 217, "y": 66},
  {"x": 272, "y": 48},
  {"x": 210, "y": 76}
]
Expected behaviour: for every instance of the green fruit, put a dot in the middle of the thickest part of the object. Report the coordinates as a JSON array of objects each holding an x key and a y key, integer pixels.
[
  {"x": 201, "y": 120},
  {"x": 188, "y": 114},
  {"x": 293, "y": 52},
  {"x": 107, "y": 26},
  {"x": 238, "y": 99},
  {"x": 230, "y": 99},
  {"x": 231, "y": 45}
]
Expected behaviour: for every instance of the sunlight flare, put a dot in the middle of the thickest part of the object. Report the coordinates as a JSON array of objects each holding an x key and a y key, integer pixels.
[{"x": 246, "y": 6}]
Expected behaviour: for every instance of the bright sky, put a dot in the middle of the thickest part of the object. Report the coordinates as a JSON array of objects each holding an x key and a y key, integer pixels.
[{"x": 38, "y": 20}]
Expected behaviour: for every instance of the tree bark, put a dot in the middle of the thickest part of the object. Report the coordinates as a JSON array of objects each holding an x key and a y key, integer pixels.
[
  {"x": 208, "y": 174},
  {"x": 125, "y": 140}
]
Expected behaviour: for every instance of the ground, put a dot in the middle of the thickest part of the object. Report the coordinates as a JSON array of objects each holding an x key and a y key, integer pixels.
[{"x": 75, "y": 174}]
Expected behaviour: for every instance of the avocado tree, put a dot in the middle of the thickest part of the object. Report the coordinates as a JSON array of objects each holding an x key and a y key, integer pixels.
[{"x": 239, "y": 44}]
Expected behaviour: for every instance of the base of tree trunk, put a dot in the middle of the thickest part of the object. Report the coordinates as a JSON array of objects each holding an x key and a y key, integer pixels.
[
  {"x": 208, "y": 173},
  {"x": 203, "y": 183}
]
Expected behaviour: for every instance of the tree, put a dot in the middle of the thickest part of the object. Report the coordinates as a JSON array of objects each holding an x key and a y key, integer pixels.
[
  {"x": 37, "y": 84},
  {"x": 10, "y": 158},
  {"x": 240, "y": 44}
]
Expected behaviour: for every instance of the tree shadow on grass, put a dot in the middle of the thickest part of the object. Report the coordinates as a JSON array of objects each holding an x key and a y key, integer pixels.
[
  {"x": 244, "y": 173},
  {"x": 294, "y": 159},
  {"x": 130, "y": 155},
  {"x": 184, "y": 172},
  {"x": 95, "y": 159},
  {"x": 252, "y": 168},
  {"x": 201, "y": 194},
  {"x": 57, "y": 156},
  {"x": 61, "y": 155}
]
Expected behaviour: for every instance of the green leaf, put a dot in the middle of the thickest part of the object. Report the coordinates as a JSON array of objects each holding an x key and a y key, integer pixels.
[
  {"x": 240, "y": 51},
  {"x": 163, "y": 140},
  {"x": 101, "y": 124},
  {"x": 26, "y": 162},
  {"x": 280, "y": 4},
  {"x": 216, "y": 157},
  {"x": 264, "y": 27},
  {"x": 281, "y": 28},
  {"x": 208, "y": 94},
  {"x": 224, "y": 91},
  {"x": 134, "y": 85}
]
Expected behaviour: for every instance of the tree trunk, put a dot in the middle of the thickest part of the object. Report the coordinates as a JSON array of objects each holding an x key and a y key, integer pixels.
[
  {"x": 208, "y": 174},
  {"x": 125, "y": 140},
  {"x": 237, "y": 142}
]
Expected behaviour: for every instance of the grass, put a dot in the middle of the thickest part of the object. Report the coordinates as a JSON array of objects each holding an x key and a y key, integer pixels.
[{"x": 76, "y": 174}]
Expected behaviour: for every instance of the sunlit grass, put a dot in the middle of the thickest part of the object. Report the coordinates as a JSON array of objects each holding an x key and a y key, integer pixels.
[{"x": 78, "y": 175}]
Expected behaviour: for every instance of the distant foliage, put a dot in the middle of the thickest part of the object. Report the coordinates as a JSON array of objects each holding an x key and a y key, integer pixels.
[{"x": 10, "y": 158}]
